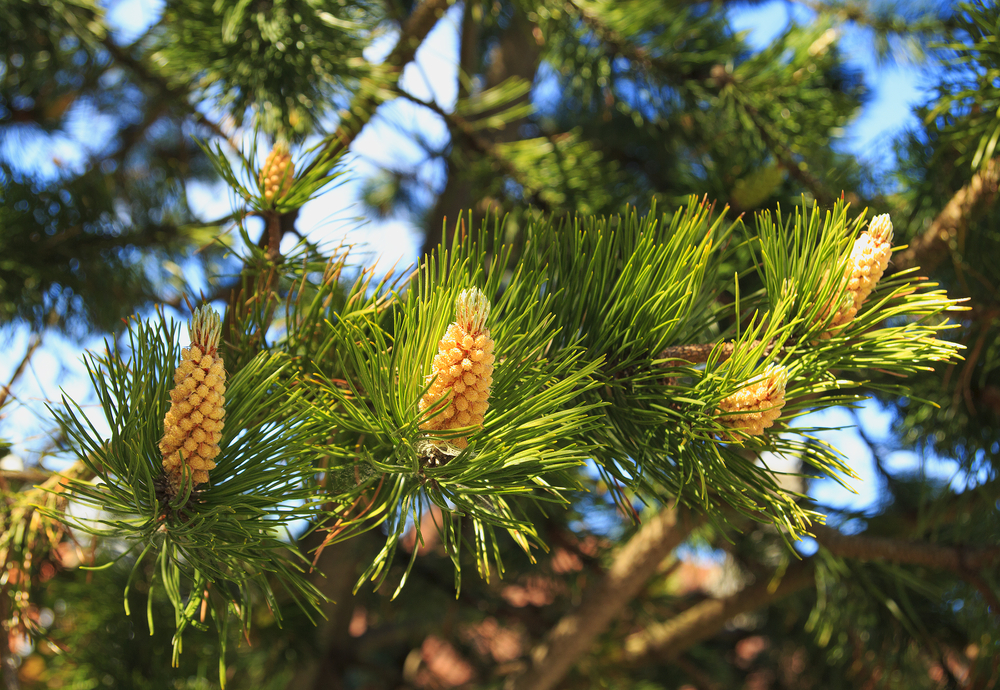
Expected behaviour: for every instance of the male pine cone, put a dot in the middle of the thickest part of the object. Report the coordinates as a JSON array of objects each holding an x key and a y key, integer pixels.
[
  {"x": 278, "y": 172},
  {"x": 756, "y": 406},
  {"x": 868, "y": 260},
  {"x": 462, "y": 370},
  {"x": 192, "y": 428}
]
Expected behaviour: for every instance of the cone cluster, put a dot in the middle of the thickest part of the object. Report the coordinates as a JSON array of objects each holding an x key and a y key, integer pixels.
[
  {"x": 868, "y": 260},
  {"x": 462, "y": 370},
  {"x": 278, "y": 172},
  {"x": 756, "y": 406},
  {"x": 192, "y": 428}
]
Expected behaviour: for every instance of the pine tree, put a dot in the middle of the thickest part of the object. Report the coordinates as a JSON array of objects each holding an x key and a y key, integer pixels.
[{"x": 630, "y": 295}]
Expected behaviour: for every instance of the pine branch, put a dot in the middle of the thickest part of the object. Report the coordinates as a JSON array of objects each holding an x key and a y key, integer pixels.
[
  {"x": 603, "y": 601},
  {"x": 478, "y": 143},
  {"x": 932, "y": 246},
  {"x": 367, "y": 100},
  {"x": 698, "y": 353},
  {"x": 667, "y": 640},
  {"x": 150, "y": 77},
  {"x": 967, "y": 563},
  {"x": 957, "y": 559},
  {"x": 720, "y": 77},
  {"x": 782, "y": 153},
  {"x": 621, "y": 45},
  {"x": 36, "y": 341}
]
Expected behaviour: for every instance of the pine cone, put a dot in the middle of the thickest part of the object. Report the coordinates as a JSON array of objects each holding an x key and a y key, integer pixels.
[
  {"x": 756, "y": 406},
  {"x": 278, "y": 172},
  {"x": 192, "y": 428},
  {"x": 463, "y": 368},
  {"x": 868, "y": 260}
]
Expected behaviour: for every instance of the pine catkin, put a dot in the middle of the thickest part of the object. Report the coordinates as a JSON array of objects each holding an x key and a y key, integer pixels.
[
  {"x": 756, "y": 406},
  {"x": 278, "y": 172},
  {"x": 192, "y": 428},
  {"x": 868, "y": 260},
  {"x": 462, "y": 370}
]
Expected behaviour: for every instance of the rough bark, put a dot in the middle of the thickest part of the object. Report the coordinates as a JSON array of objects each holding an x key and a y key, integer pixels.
[{"x": 929, "y": 249}]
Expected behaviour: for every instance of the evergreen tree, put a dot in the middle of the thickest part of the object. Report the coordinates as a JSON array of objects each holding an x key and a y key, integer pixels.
[{"x": 479, "y": 474}]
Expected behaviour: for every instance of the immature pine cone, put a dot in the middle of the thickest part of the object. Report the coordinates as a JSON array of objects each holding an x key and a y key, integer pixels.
[
  {"x": 868, "y": 261},
  {"x": 464, "y": 369},
  {"x": 193, "y": 426},
  {"x": 755, "y": 407},
  {"x": 278, "y": 172}
]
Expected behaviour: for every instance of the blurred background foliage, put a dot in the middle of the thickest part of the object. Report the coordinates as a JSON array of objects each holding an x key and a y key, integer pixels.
[{"x": 563, "y": 107}]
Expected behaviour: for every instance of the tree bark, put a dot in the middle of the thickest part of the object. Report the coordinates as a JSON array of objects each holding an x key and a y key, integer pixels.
[{"x": 933, "y": 246}]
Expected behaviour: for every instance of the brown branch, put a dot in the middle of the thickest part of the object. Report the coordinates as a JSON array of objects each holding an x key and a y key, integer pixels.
[
  {"x": 33, "y": 345},
  {"x": 368, "y": 98},
  {"x": 181, "y": 96},
  {"x": 479, "y": 144},
  {"x": 603, "y": 601},
  {"x": 31, "y": 474},
  {"x": 667, "y": 640},
  {"x": 698, "y": 353},
  {"x": 717, "y": 75},
  {"x": 931, "y": 247},
  {"x": 863, "y": 548}
]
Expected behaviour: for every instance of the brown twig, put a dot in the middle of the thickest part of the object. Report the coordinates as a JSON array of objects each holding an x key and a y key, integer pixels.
[
  {"x": 698, "y": 353},
  {"x": 603, "y": 601},
  {"x": 33, "y": 344}
]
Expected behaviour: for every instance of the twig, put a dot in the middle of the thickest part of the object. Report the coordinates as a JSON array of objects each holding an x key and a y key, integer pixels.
[
  {"x": 602, "y": 602},
  {"x": 720, "y": 77},
  {"x": 698, "y": 353},
  {"x": 480, "y": 144},
  {"x": 33, "y": 344},
  {"x": 142, "y": 71}
]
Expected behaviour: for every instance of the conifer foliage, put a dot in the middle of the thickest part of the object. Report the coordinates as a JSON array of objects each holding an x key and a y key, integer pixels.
[{"x": 634, "y": 297}]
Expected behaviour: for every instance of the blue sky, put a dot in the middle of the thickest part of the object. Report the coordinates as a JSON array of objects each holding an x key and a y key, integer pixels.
[{"x": 388, "y": 142}]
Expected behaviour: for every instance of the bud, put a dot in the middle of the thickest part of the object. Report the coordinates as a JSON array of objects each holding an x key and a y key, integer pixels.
[
  {"x": 462, "y": 370},
  {"x": 868, "y": 260},
  {"x": 754, "y": 407},
  {"x": 192, "y": 428},
  {"x": 278, "y": 172}
]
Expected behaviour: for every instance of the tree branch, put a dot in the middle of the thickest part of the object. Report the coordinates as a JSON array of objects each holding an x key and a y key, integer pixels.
[
  {"x": 698, "y": 353},
  {"x": 122, "y": 57},
  {"x": 33, "y": 345},
  {"x": 367, "y": 100},
  {"x": 932, "y": 246},
  {"x": 602, "y": 602},
  {"x": 716, "y": 75},
  {"x": 667, "y": 640},
  {"x": 957, "y": 559}
]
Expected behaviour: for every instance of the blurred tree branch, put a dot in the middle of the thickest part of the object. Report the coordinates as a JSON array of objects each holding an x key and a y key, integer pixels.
[{"x": 604, "y": 599}]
